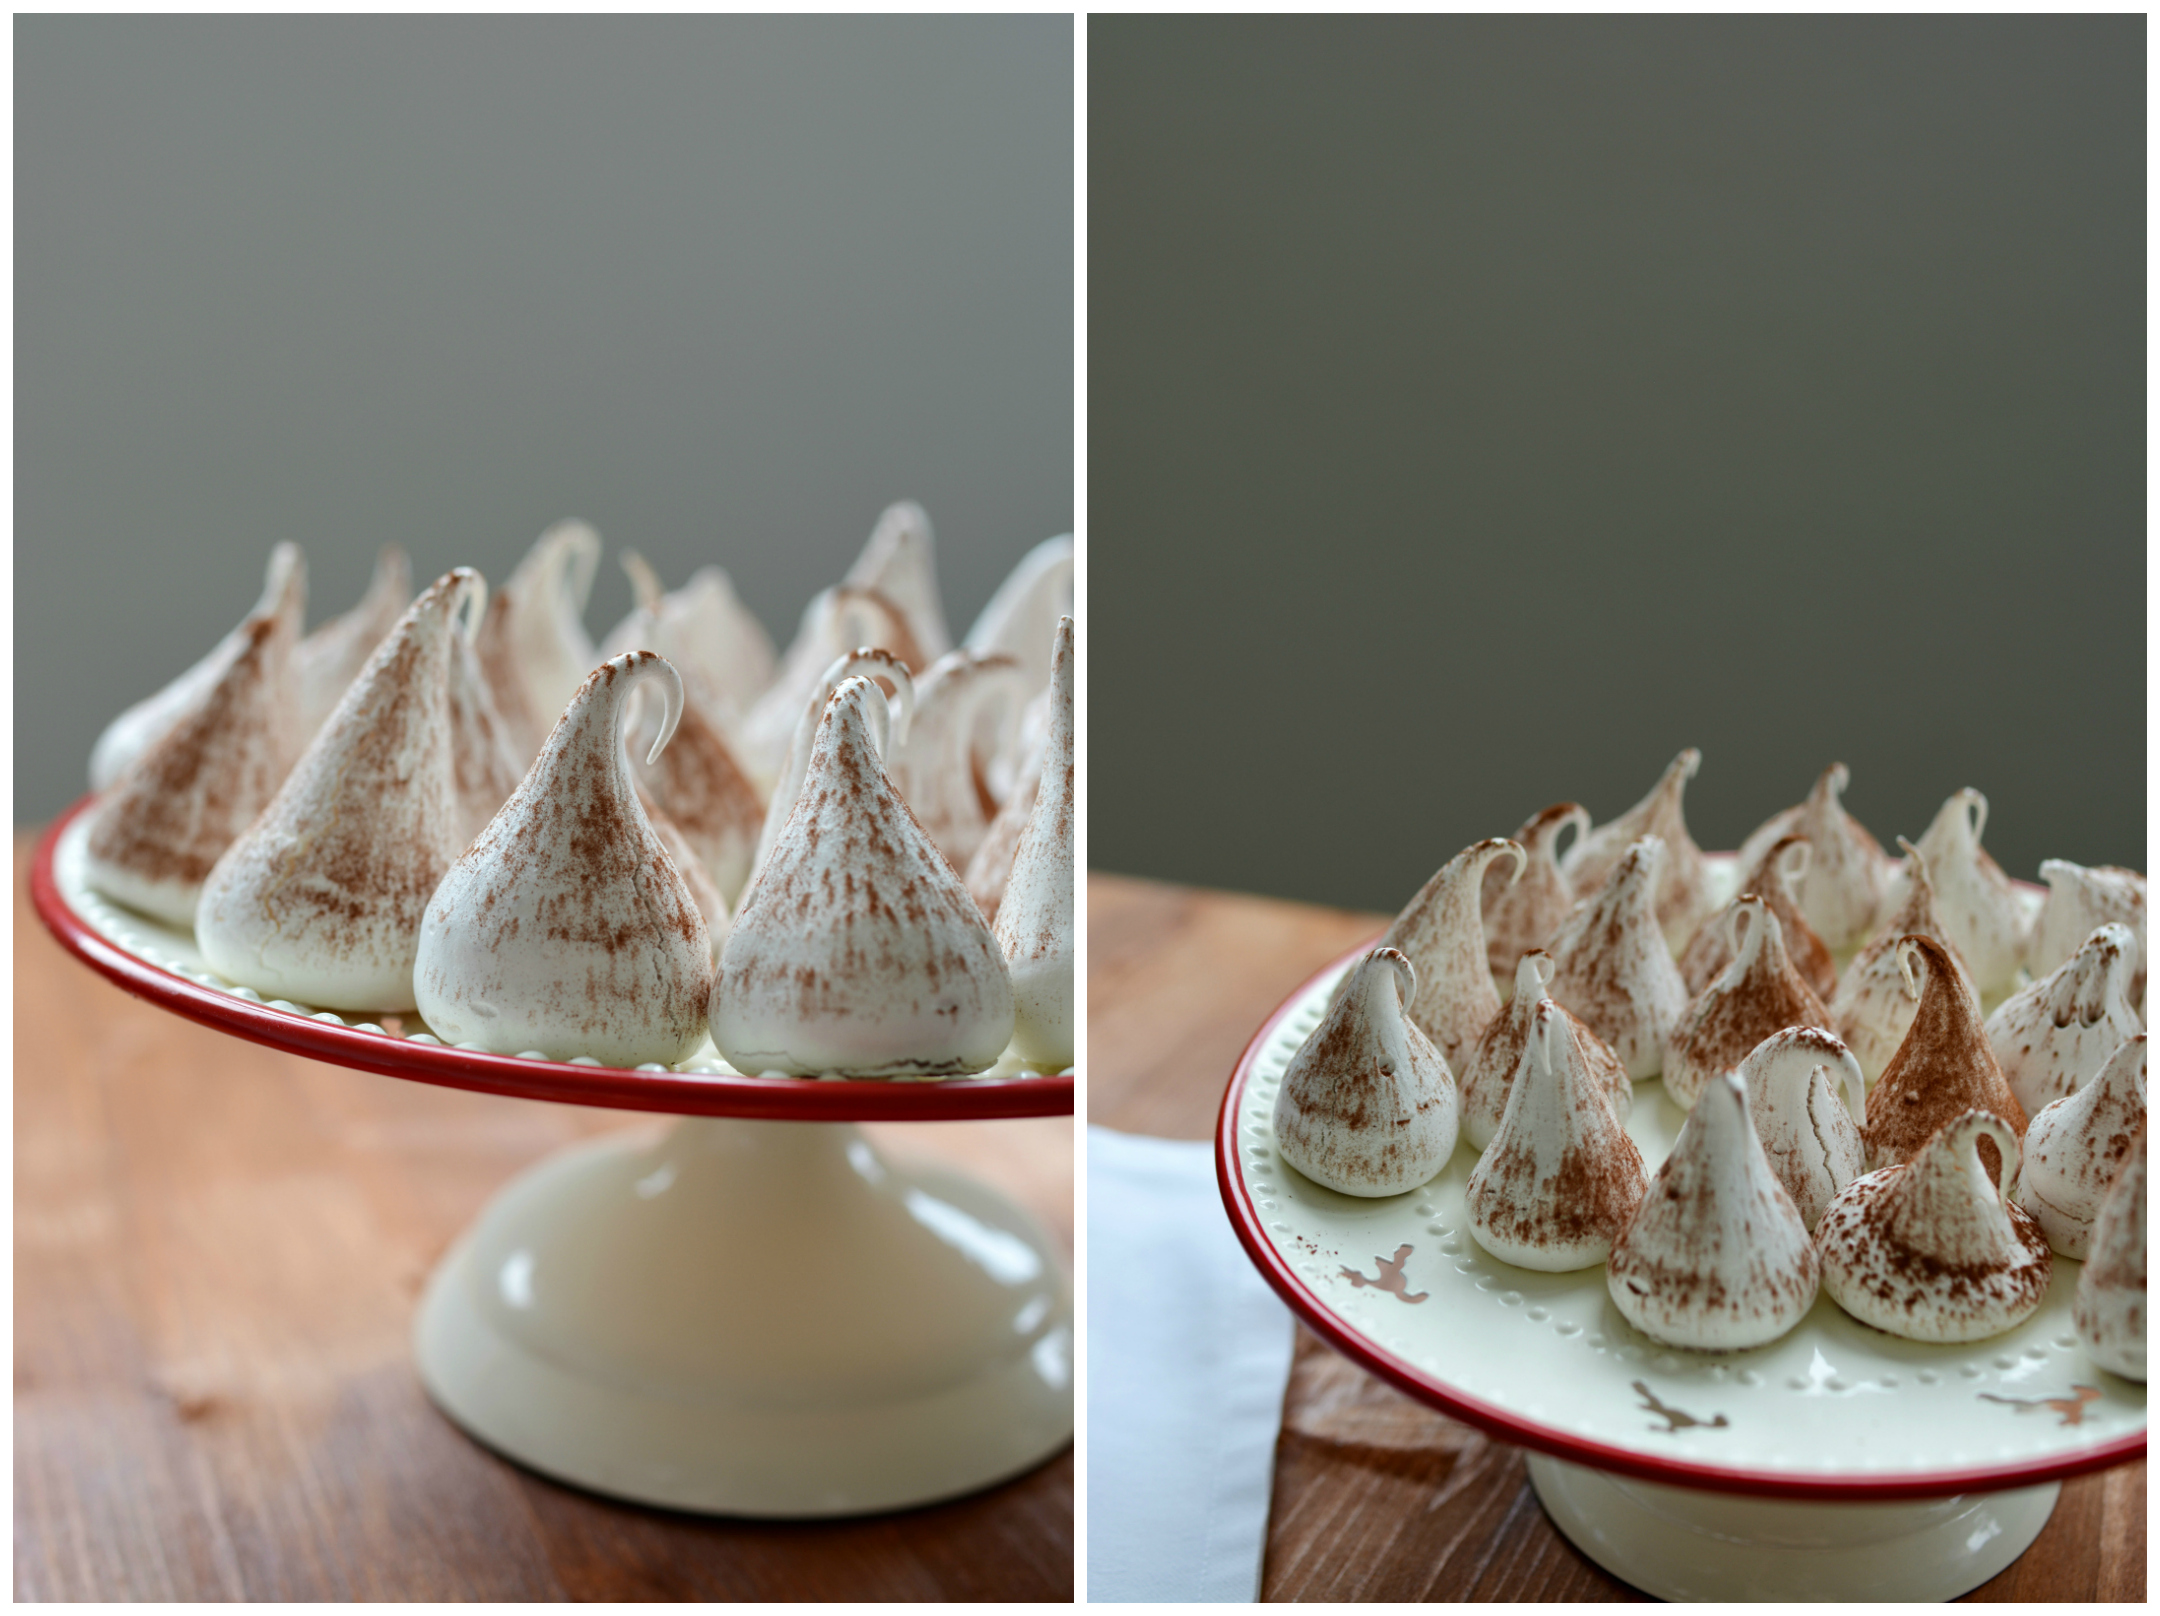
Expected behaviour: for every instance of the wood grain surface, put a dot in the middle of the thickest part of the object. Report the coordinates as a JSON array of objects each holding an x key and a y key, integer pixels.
[
  {"x": 1376, "y": 1495},
  {"x": 218, "y": 1248}
]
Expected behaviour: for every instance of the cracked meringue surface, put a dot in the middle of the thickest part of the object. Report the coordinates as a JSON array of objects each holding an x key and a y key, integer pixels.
[{"x": 1806, "y": 1095}]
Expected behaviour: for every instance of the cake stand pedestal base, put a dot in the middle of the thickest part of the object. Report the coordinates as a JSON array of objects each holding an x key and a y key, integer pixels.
[
  {"x": 753, "y": 1318},
  {"x": 1678, "y": 1543}
]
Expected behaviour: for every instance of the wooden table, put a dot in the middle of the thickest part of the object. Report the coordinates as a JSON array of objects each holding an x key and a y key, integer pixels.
[
  {"x": 1377, "y": 1496},
  {"x": 217, "y": 1252}
]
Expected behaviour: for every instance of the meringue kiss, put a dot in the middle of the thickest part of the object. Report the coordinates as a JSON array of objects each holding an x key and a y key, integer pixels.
[
  {"x": 566, "y": 927},
  {"x": 1717, "y": 1258},
  {"x": 1771, "y": 878},
  {"x": 1526, "y": 910},
  {"x": 1561, "y": 1178},
  {"x": 331, "y": 658},
  {"x": 2076, "y": 1148},
  {"x": 1503, "y": 1050},
  {"x": 1759, "y": 993},
  {"x": 1944, "y": 1066},
  {"x": 1982, "y": 915},
  {"x": 321, "y": 900},
  {"x": 1034, "y": 925},
  {"x": 2080, "y": 899},
  {"x": 1611, "y": 966},
  {"x": 856, "y": 949},
  {"x": 1842, "y": 890},
  {"x": 532, "y": 642},
  {"x": 1873, "y": 1006},
  {"x": 2109, "y": 1312},
  {"x": 1440, "y": 932},
  {"x": 1368, "y": 1106},
  {"x": 1806, "y": 1095},
  {"x": 1683, "y": 891},
  {"x": 2051, "y": 1037},
  {"x": 188, "y": 794},
  {"x": 1934, "y": 1249}
]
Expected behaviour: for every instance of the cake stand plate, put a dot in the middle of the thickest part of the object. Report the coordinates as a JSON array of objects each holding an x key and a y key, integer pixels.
[
  {"x": 753, "y": 1315},
  {"x": 1837, "y": 1457}
]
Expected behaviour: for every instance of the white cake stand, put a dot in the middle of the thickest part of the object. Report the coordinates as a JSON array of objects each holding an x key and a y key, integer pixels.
[
  {"x": 754, "y": 1315},
  {"x": 1835, "y": 1463}
]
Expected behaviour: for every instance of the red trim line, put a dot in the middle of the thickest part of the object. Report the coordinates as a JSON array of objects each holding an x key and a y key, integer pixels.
[
  {"x": 1511, "y": 1427},
  {"x": 771, "y": 1099}
]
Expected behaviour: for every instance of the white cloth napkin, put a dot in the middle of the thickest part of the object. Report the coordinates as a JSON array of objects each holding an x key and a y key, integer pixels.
[{"x": 1188, "y": 1355}]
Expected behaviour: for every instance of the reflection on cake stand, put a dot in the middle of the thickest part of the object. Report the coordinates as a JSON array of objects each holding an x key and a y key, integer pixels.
[
  {"x": 754, "y": 1314},
  {"x": 1835, "y": 1463}
]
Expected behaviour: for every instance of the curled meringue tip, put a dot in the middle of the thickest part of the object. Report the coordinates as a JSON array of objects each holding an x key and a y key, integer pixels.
[
  {"x": 882, "y": 664},
  {"x": 1532, "y": 972},
  {"x": 644, "y": 582},
  {"x": 1399, "y": 972}
]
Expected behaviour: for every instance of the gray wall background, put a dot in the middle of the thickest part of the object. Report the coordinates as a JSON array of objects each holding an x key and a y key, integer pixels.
[
  {"x": 722, "y": 286},
  {"x": 1481, "y": 410}
]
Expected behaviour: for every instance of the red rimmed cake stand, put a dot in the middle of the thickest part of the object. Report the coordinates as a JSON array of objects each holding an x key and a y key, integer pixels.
[
  {"x": 753, "y": 1315},
  {"x": 1835, "y": 1463}
]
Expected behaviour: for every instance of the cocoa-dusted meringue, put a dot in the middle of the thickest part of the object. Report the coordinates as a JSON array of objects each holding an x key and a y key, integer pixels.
[
  {"x": 1683, "y": 891},
  {"x": 321, "y": 899},
  {"x": 2080, "y": 899},
  {"x": 2051, "y": 1037},
  {"x": 532, "y": 642},
  {"x": 1612, "y": 969},
  {"x": 484, "y": 761},
  {"x": 566, "y": 927},
  {"x": 1873, "y": 1006},
  {"x": 719, "y": 647},
  {"x": 991, "y": 868},
  {"x": 856, "y": 949},
  {"x": 1943, "y": 1067},
  {"x": 938, "y": 769},
  {"x": 1934, "y": 1249},
  {"x": 835, "y": 621},
  {"x": 1982, "y": 916},
  {"x": 180, "y": 802},
  {"x": 1717, "y": 1258},
  {"x": 890, "y": 672},
  {"x": 1502, "y": 1050},
  {"x": 2109, "y": 1310},
  {"x": 1806, "y": 1095},
  {"x": 331, "y": 658},
  {"x": 702, "y": 789},
  {"x": 1021, "y": 618},
  {"x": 691, "y": 868},
  {"x": 1526, "y": 910},
  {"x": 1440, "y": 932},
  {"x": 1759, "y": 993},
  {"x": 1561, "y": 1178},
  {"x": 1841, "y": 891},
  {"x": 2076, "y": 1148},
  {"x": 1368, "y": 1106},
  {"x": 899, "y": 561},
  {"x": 130, "y": 735},
  {"x": 1035, "y": 920},
  {"x": 1771, "y": 878}
]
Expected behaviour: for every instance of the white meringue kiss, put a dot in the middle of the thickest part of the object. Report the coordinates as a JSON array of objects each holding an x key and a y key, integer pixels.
[
  {"x": 1503, "y": 1050},
  {"x": 1841, "y": 892},
  {"x": 1982, "y": 916},
  {"x": 2109, "y": 1311},
  {"x": 1561, "y": 1178},
  {"x": 856, "y": 949},
  {"x": 1934, "y": 1249},
  {"x": 2078, "y": 901},
  {"x": 1441, "y": 934},
  {"x": 566, "y": 927},
  {"x": 1368, "y": 1106},
  {"x": 532, "y": 642},
  {"x": 184, "y": 798},
  {"x": 1683, "y": 891},
  {"x": 1806, "y": 1095},
  {"x": 331, "y": 658},
  {"x": 321, "y": 900},
  {"x": 1756, "y": 995},
  {"x": 1034, "y": 926},
  {"x": 1717, "y": 1258},
  {"x": 2076, "y": 1148},
  {"x": 1612, "y": 968},
  {"x": 1525, "y": 909},
  {"x": 2051, "y": 1037},
  {"x": 1872, "y": 1007}
]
